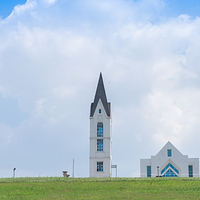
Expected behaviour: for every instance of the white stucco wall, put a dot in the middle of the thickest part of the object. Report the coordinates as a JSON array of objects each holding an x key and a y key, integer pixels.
[
  {"x": 105, "y": 155},
  {"x": 143, "y": 166},
  {"x": 177, "y": 159},
  {"x": 195, "y": 163}
]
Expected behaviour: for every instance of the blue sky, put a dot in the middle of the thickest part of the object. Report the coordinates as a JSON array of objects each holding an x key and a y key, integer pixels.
[
  {"x": 173, "y": 7},
  {"x": 6, "y": 7},
  {"x": 178, "y": 7},
  {"x": 51, "y": 54}
]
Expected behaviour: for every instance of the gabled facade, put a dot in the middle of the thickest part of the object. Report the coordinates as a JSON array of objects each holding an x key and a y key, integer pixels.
[
  {"x": 100, "y": 134},
  {"x": 169, "y": 162}
]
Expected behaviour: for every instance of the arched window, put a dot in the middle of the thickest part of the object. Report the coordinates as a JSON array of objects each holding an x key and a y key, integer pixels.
[{"x": 100, "y": 129}]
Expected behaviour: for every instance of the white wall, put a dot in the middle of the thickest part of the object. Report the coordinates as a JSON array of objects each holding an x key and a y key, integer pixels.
[
  {"x": 143, "y": 166},
  {"x": 105, "y": 155},
  {"x": 195, "y": 163},
  {"x": 179, "y": 161}
]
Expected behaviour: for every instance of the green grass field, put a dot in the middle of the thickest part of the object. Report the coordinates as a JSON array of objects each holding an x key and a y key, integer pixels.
[{"x": 99, "y": 188}]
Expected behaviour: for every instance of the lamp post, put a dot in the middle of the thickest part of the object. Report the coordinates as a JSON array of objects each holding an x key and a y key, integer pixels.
[
  {"x": 14, "y": 169},
  {"x": 158, "y": 171},
  {"x": 73, "y": 168}
]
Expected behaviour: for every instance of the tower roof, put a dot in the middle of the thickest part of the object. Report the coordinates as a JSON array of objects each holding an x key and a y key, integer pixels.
[{"x": 100, "y": 94}]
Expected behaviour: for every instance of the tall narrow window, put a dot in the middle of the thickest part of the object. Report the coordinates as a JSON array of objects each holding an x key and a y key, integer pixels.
[
  {"x": 99, "y": 111},
  {"x": 99, "y": 144},
  {"x": 100, "y": 129},
  {"x": 148, "y": 171},
  {"x": 190, "y": 170},
  {"x": 169, "y": 152},
  {"x": 99, "y": 166}
]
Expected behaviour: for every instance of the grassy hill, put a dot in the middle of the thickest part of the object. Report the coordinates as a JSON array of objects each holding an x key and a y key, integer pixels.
[{"x": 99, "y": 188}]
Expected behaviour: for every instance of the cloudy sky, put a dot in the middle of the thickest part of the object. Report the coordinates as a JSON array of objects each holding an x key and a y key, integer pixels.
[{"x": 51, "y": 54}]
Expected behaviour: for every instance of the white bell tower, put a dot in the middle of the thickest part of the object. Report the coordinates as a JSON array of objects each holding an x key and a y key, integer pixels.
[{"x": 100, "y": 134}]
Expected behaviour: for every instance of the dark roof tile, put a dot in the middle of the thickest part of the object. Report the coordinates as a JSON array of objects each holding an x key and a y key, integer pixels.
[{"x": 100, "y": 94}]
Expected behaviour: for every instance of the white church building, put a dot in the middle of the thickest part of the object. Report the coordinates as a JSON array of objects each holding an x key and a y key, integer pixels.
[
  {"x": 100, "y": 134},
  {"x": 169, "y": 162}
]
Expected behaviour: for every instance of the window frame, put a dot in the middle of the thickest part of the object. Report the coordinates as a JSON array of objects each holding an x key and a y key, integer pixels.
[
  {"x": 169, "y": 152},
  {"x": 149, "y": 171},
  {"x": 100, "y": 129},
  {"x": 169, "y": 173},
  {"x": 99, "y": 145},
  {"x": 190, "y": 170},
  {"x": 99, "y": 166},
  {"x": 169, "y": 165}
]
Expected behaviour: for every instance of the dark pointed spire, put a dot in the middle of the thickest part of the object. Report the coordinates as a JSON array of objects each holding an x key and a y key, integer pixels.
[{"x": 100, "y": 94}]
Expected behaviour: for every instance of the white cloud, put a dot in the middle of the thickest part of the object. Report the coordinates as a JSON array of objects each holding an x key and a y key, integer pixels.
[
  {"x": 60, "y": 92},
  {"x": 50, "y": 62},
  {"x": 6, "y": 133},
  {"x": 1, "y": 89},
  {"x": 20, "y": 9},
  {"x": 40, "y": 104},
  {"x": 49, "y": 2}
]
